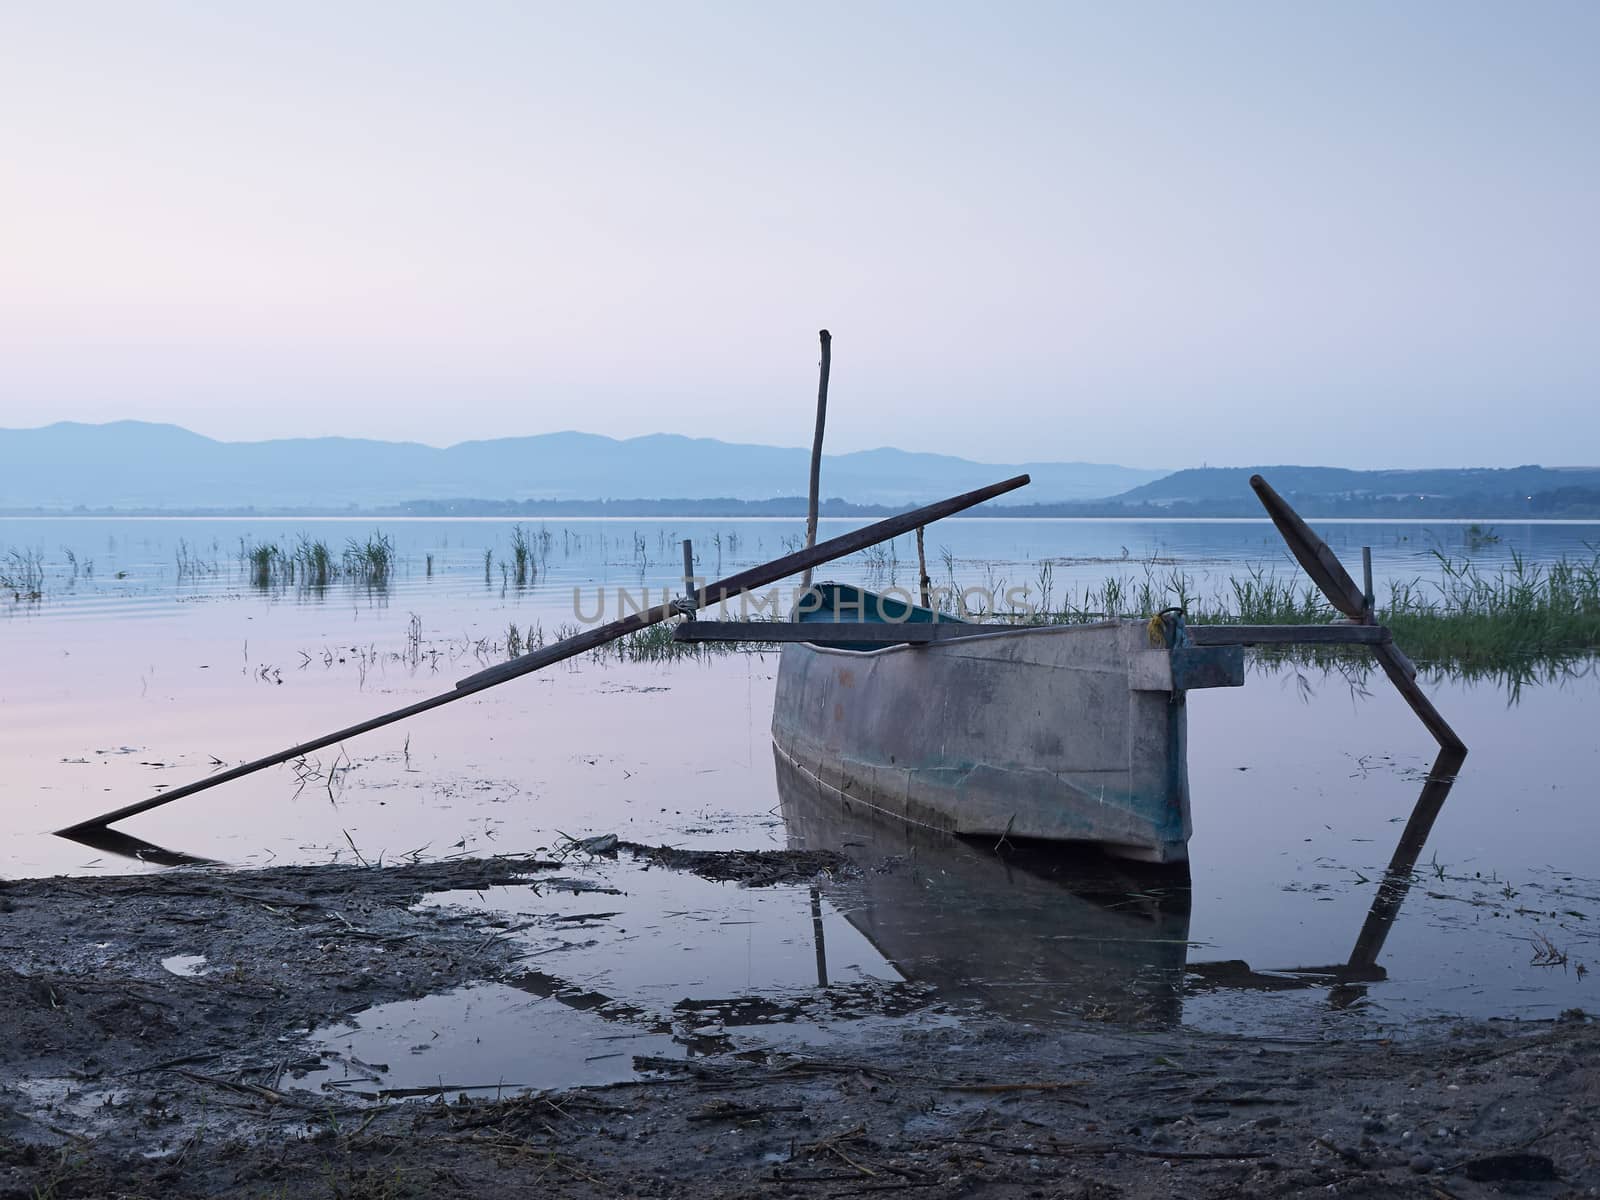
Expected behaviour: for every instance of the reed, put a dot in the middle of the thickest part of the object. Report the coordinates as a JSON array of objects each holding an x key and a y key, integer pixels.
[
  {"x": 310, "y": 564},
  {"x": 521, "y": 555},
  {"x": 1471, "y": 618},
  {"x": 372, "y": 561},
  {"x": 1467, "y": 619},
  {"x": 314, "y": 562},
  {"x": 264, "y": 563},
  {"x": 22, "y": 574}
]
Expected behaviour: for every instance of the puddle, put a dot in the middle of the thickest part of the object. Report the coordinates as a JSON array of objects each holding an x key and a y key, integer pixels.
[
  {"x": 667, "y": 935},
  {"x": 627, "y": 961},
  {"x": 94, "y": 1104},
  {"x": 488, "y": 1039},
  {"x": 187, "y": 965}
]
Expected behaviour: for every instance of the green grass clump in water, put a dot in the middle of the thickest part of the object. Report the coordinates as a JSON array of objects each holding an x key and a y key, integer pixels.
[
  {"x": 311, "y": 564},
  {"x": 263, "y": 562},
  {"x": 315, "y": 562},
  {"x": 22, "y": 574},
  {"x": 371, "y": 562},
  {"x": 1519, "y": 624},
  {"x": 1519, "y": 612},
  {"x": 521, "y": 555},
  {"x": 655, "y": 643}
]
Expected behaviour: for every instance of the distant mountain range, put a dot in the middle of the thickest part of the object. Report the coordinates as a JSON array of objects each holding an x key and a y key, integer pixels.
[
  {"x": 1503, "y": 492},
  {"x": 137, "y": 465},
  {"x": 1207, "y": 484},
  {"x": 133, "y": 466}
]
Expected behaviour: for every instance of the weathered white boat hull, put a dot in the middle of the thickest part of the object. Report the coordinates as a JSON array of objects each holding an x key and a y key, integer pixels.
[{"x": 1067, "y": 733}]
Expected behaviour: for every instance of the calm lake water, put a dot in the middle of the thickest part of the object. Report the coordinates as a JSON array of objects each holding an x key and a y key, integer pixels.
[
  {"x": 138, "y": 567},
  {"x": 131, "y": 675}
]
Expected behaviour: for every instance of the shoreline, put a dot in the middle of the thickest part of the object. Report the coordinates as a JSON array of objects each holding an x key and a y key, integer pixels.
[{"x": 120, "y": 1076}]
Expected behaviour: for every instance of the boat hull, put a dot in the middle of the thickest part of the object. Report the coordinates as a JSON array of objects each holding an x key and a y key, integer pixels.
[{"x": 1063, "y": 733}]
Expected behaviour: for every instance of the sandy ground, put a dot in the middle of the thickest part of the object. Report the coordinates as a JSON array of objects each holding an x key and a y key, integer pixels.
[{"x": 120, "y": 1078}]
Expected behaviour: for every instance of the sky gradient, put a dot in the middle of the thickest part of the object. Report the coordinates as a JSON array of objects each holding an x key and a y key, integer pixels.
[{"x": 1356, "y": 234}]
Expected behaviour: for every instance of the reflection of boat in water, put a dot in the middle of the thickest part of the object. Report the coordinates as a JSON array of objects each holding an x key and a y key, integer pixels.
[
  {"x": 1035, "y": 933},
  {"x": 1042, "y": 931}
]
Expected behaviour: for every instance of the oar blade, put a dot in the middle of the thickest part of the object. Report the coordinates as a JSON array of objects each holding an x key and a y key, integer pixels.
[{"x": 1312, "y": 553}]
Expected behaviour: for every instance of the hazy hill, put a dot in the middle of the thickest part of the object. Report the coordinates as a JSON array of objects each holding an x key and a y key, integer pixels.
[
  {"x": 1201, "y": 484},
  {"x": 134, "y": 464}
]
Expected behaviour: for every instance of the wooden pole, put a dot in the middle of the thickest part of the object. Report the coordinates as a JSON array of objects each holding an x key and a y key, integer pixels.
[
  {"x": 760, "y": 576},
  {"x": 817, "y": 937},
  {"x": 816, "y": 449},
  {"x": 923, "y": 582}
]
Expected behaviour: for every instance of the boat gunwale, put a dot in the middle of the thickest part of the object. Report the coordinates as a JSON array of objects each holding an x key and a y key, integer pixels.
[{"x": 989, "y": 634}]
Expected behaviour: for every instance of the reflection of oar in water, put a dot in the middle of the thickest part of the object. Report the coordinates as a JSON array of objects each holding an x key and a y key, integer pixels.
[
  {"x": 1362, "y": 967},
  {"x": 114, "y": 841},
  {"x": 1398, "y": 878},
  {"x": 1329, "y": 574},
  {"x": 715, "y": 593}
]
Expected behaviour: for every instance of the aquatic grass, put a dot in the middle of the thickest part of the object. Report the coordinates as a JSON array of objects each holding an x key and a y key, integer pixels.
[
  {"x": 310, "y": 564},
  {"x": 1521, "y": 624},
  {"x": 22, "y": 574},
  {"x": 1468, "y": 617},
  {"x": 264, "y": 563},
  {"x": 372, "y": 561},
  {"x": 521, "y": 554},
  {"x": 314, "y": 561},
  {"x": 655, "y": 644},
  {"x": 189, "y": 563}
]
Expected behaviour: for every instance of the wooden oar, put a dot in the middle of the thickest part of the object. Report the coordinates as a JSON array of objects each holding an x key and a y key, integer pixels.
[
  {"x": 743, "y": 581},
  {"x": 1324, "y": 567},
  {"x": 1328, "y": 573}
]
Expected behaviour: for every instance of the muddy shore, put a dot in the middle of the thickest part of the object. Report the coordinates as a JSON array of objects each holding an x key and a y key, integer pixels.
[{"x": 123, "y": 1075}]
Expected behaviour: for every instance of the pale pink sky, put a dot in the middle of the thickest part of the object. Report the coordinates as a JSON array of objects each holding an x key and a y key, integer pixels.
[{"x": 1158, "y": 234}]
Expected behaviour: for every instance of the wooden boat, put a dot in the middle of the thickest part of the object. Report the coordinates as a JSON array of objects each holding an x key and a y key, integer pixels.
[{"x": 1066, "y": 733}]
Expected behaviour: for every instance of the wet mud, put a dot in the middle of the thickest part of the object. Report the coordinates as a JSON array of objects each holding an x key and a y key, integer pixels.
[{"x": 247, "y": 1033}]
